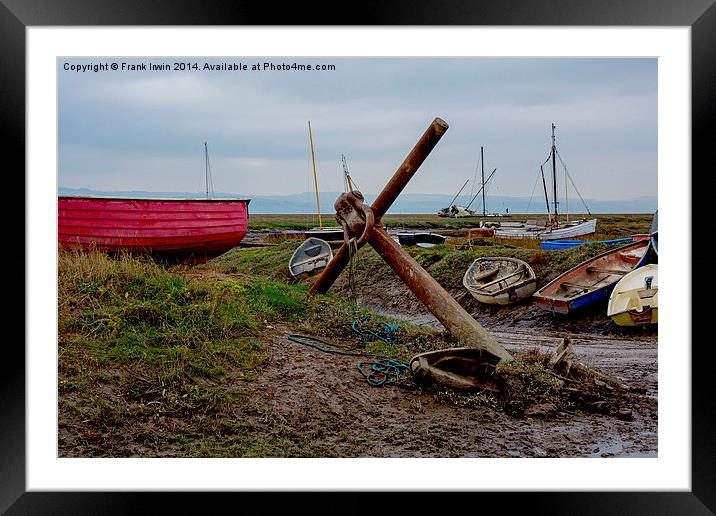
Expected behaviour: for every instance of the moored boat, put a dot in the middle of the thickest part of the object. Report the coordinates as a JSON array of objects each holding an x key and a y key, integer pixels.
[
  {"x": 635, "y": 298},
  {"x": 559, "y": 231},
  {"x": 652, "y": 253},
  {"x": 553, "y": 228},
  {"x": 499, "y": 280},
  {"x": 420, "y": 238},
  {"x": 310, "y": 257},
  {"x": 192, "y": 230},
  {"x": 329, "y": 234},
  {"x": 558, "y": 245},
  {"x": 590, "y": 282}
]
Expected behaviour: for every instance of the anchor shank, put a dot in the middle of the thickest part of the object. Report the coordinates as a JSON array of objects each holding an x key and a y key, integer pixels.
[
  {"x": 409, "y": 167},
  {"x": 380, "y": 206},
  {"x": 466, "y": 330}
]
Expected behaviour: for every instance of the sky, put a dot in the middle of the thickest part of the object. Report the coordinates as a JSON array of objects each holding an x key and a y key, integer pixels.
[{"x": 145, "y": 130}]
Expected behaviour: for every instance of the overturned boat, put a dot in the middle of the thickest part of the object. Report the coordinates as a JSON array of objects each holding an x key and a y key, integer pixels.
[
  {"x": 635, "y": 298},
  {"x": 499, "y": 280},
  {"x": 310, "y": 258},
  {"x": 590, "y": 282},
  {"x": 460, "y": 368}
]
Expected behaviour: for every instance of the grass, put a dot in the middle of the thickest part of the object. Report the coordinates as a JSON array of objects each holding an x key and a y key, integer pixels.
[
  {"x": 163, "y": 361},
  {"x": 138, "y": 343},
  {"x": 608, "y": 225}
]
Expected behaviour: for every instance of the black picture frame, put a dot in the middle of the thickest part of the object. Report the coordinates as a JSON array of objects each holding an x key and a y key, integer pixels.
[{"x": 16, "y": 15}]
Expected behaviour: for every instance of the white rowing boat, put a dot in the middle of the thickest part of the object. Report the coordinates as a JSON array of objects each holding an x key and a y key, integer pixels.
[
  {"x": 499, "y": 280},
  {"x": 311, "y": 256}
]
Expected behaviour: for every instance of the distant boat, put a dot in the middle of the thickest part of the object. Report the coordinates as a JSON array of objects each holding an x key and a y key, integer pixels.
[
  {"x": 420, "y": 239},
  {"x": 311, "y": 256},
  {"x": 562, "y": 231},
  {"x": 499, "y": 280},
  {"x": 635, "y": 298},
  {"x": 590, "y": 282},
  {"x": 457, "y": 211},
  {"x": 193, "y": 230},
  {"x": 553, "y": 228}
]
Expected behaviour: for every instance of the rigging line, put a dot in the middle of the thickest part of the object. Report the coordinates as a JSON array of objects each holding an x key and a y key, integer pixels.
[
  {"x": 480, "y": 190},
  {"x": 474, "y": 179},
  {"x": 534, "y": 187},
  {"x": 573, "y": 185}
]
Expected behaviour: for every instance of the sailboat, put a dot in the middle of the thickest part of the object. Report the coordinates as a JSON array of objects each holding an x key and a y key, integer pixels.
[
  {"x": 457, "y": 211},
  {"x": 553, "y": 228},
  {"x": 329, "y": 234}
]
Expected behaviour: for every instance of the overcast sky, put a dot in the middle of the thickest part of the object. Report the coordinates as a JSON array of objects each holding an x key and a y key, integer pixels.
[{"x": 146, "y": 130}]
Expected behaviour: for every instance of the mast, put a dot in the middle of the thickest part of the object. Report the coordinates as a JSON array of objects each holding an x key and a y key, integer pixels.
[
  {"x": 554, "y": 175},
  {"x": 207, "y": 171},
  {"x": 315, "y": 179},
  {"x": 482, "y": 160},
  {"x": 346, "y": 176},
  {"x": 544, "y": 185}
]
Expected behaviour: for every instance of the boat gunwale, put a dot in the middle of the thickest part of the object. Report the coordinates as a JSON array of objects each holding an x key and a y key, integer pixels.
[
  {"x": 539, "y": 295},
  {"x": 151, "y": 199}
]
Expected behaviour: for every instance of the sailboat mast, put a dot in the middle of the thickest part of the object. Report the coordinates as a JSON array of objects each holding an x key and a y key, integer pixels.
[
  {"x": 554, "y": 175},
  {"x": 482, "y": 160},
  {"x": 207, "y": 170},
  {"x": 315, "y": 179}
]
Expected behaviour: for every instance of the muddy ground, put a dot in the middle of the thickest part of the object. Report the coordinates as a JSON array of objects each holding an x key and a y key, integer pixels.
[
  {"x": 308, "y": 403},
  {"x": 308, "y": 389}
]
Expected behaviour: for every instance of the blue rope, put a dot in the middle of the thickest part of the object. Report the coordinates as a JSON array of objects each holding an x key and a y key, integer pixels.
[
  {"x": 388, "y": 333},
  {"x": 380, "y": 372}
]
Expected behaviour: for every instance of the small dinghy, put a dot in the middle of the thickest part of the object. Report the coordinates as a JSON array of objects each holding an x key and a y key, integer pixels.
[
  {"x": 312, "y": 255},
  {"x": 421, "y": 239},
  {"x": 635, "y": 298},
  {"x": 590, "y": 282},
  {"x": 499, "y": 280}
]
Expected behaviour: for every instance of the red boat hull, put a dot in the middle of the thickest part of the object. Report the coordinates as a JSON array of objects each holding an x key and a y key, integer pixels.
[{"x": 187, "y": 229}]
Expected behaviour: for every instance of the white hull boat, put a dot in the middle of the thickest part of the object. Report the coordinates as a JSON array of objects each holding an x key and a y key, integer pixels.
[
  {"x": 635, "y": 298},
  {"x": 500, "y": 280},
  {"x": 565, "y": 230}
]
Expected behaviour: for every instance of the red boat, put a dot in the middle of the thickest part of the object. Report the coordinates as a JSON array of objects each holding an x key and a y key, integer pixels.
[{"x": 191, "y": 230}]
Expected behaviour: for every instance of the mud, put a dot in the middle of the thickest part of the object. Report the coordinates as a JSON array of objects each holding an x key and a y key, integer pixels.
[
  {"x": 310, "y": 391},
  {"x": 416, "y": 423}
]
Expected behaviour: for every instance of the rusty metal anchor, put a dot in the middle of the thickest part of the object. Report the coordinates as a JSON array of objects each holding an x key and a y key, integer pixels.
[{"x": 363, "y": 223}]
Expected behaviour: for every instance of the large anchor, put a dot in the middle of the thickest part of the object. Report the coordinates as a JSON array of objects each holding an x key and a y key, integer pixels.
[{"x": 459, "y": 367}]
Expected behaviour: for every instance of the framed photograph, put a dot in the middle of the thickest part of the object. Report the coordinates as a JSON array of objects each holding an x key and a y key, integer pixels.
[{"x": 476, "y": 187}]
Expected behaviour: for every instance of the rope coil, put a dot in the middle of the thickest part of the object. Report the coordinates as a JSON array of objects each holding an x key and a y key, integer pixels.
[{"x": 383, "y": 371}]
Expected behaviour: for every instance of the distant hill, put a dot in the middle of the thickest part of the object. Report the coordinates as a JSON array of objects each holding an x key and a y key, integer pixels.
[{"x": 407, "y": 203}]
